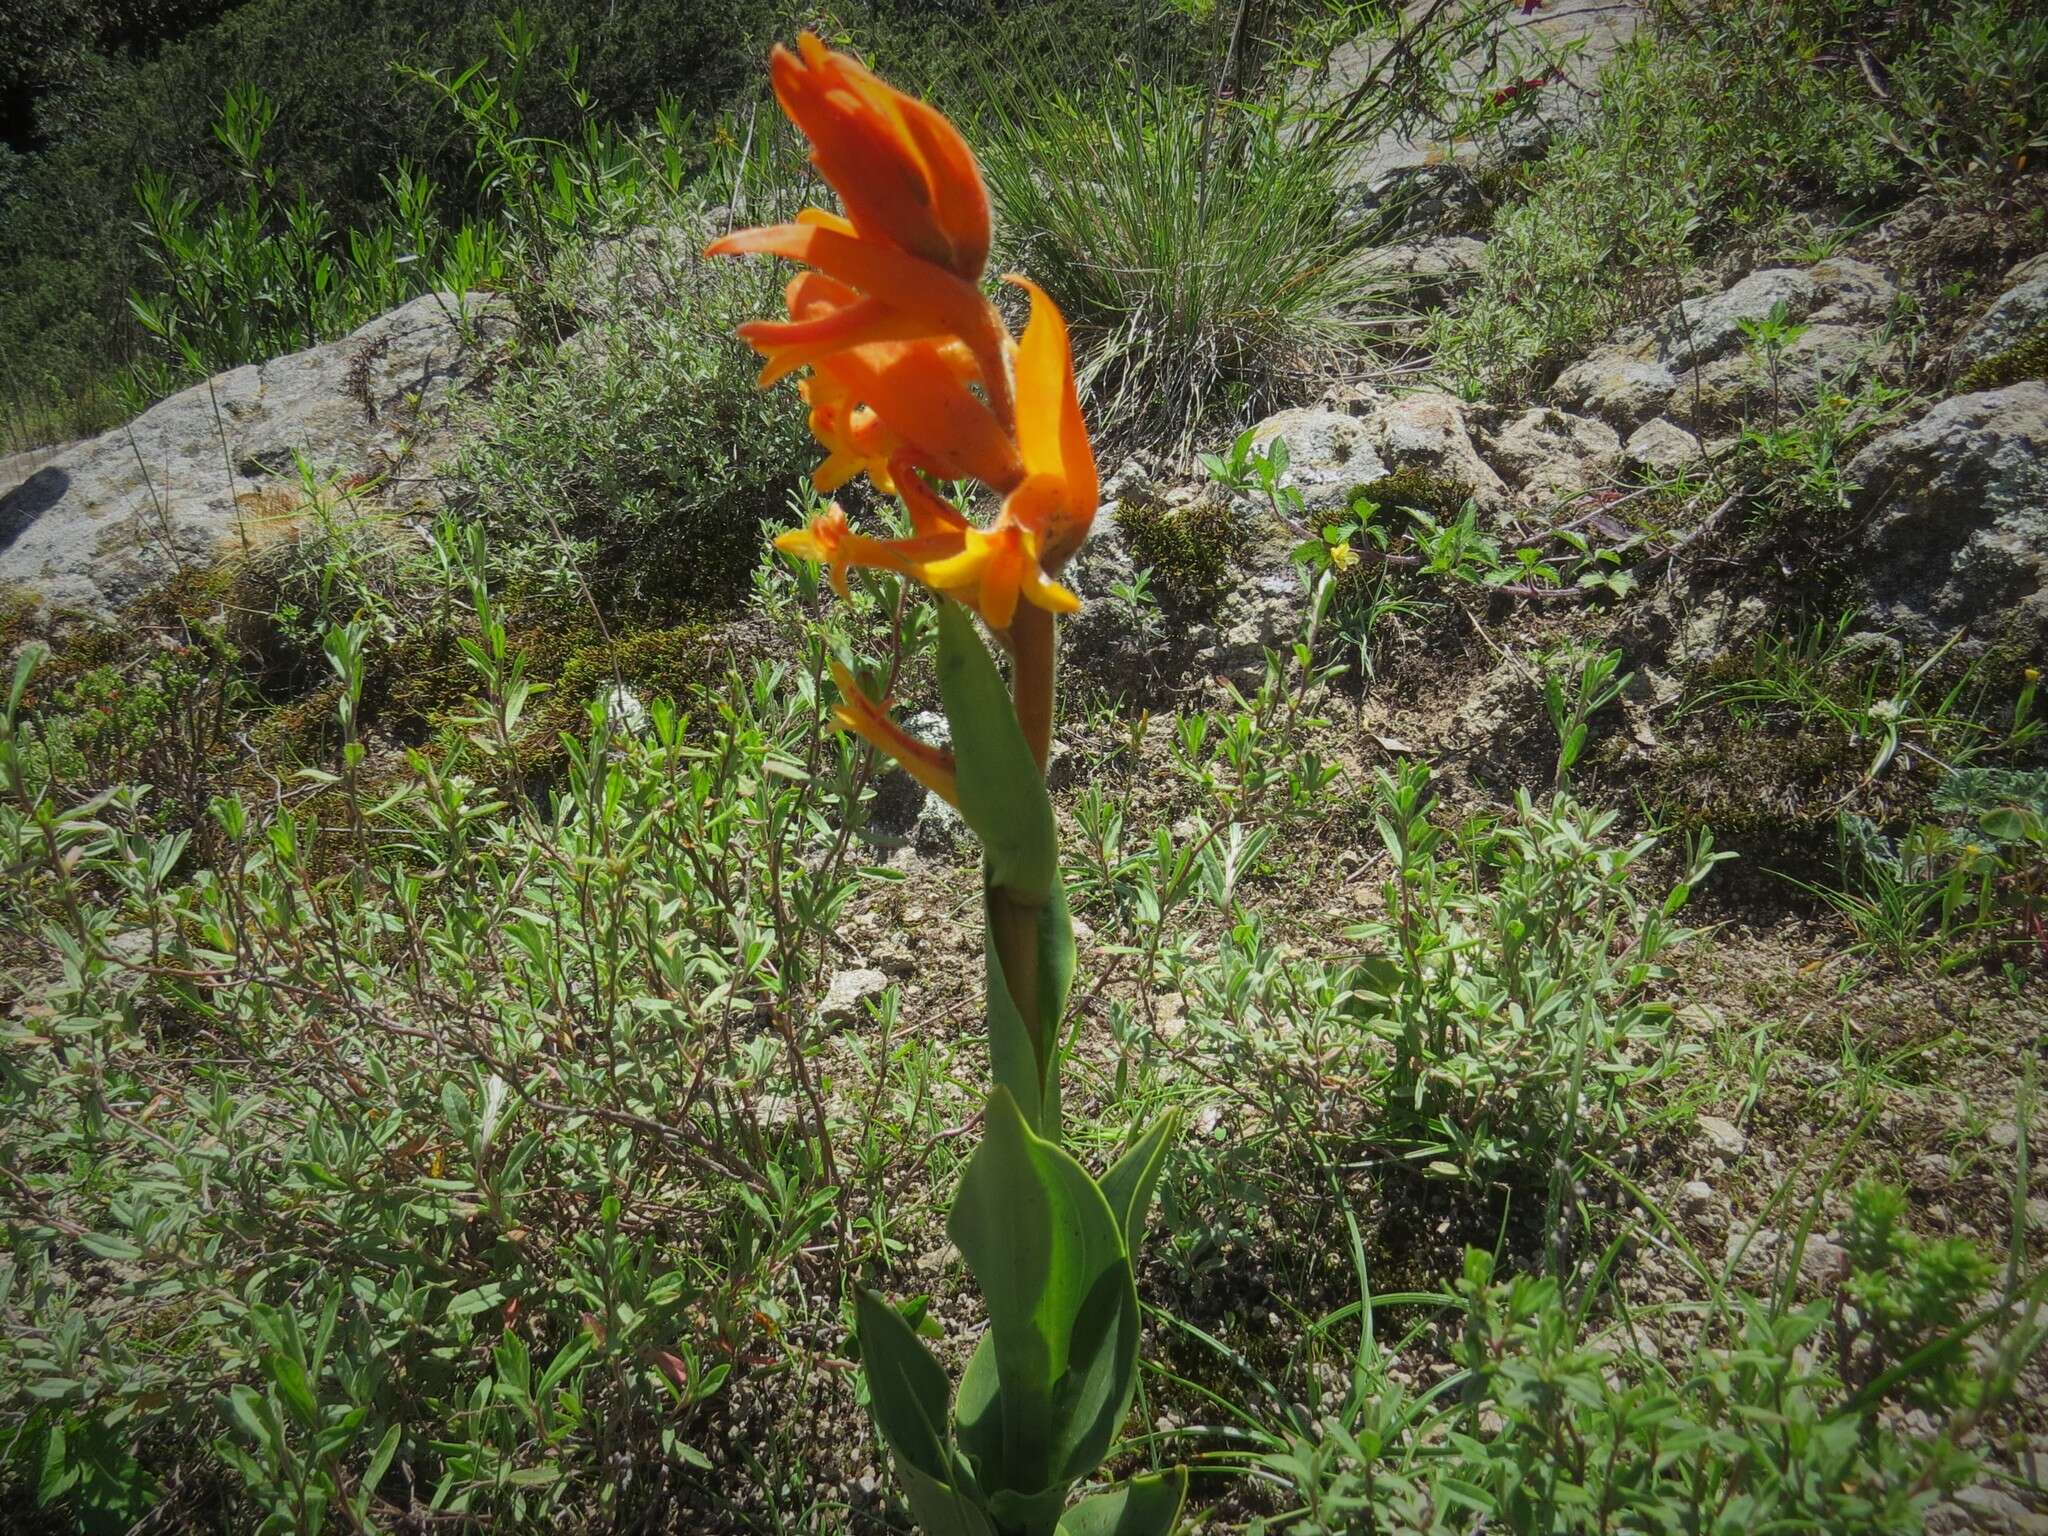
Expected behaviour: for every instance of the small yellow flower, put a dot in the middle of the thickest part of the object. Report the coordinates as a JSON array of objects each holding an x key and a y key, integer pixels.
[{"x": 1342, "y": 555}]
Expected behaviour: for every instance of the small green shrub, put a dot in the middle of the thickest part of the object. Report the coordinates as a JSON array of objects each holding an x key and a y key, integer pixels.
[
  {"x": 1513, "y": 978},
  {"x": 1912, "y": 1296},
  {"x": 647, "y": 443},
  {"x": 1552, "y": 1427}
]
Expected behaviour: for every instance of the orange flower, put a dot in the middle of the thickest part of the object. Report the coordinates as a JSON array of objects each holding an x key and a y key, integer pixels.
[
  {"x": 863, "y": 717},
  {"x": 992, "y": 571},
  {"x": 825, "y": 316},
  {"x": 902, "y": 297},
  {"x": 881, "y": 400},
  {"x": 855, "y": 439},
  {"x": 893, "y": 324},
  {"x": 916, "y": 234},
  {"x": 903, "y": 172},
  {"x": 830, "y": 540}
]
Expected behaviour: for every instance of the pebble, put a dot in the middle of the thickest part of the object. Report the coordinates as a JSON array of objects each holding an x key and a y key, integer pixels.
[
  {"x": 847, "y": 992},
  {"x": 1722, "y": 1134}
]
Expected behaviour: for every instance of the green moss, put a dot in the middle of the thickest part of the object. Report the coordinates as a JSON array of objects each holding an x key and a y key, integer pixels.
[
  {"x": 1441, "y": 496},
  {"x": 675, "y": 663},
  {"x": 2025, "y": 359},
  {"x": 1189, "y": 549}
]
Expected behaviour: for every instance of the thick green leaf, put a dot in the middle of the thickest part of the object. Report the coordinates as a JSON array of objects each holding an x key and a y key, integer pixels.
[
  {"x": 1131, "y": 1178},
  {"x": 978, "y": 1413},
  {"x": 1002, "y": 793},
  {"x": 906, "y": 1386},
  {"x": 1144, "y": 1506},
  {"x": 1102, "y": 1352},
  {"x": 942, "y": 1510},
  {"x": 1063, "y": 1312},
  {"x": 1030, "y": 1514},
  {"x": 1056, "y": 961}
]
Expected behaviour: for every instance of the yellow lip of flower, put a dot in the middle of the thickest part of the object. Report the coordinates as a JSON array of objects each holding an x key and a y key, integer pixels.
[
  {"x": 992, "y": 571},
  {"x": 863, "y": 717}
]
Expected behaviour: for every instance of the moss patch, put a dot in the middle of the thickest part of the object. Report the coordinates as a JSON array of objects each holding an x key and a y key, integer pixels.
[
  {"x": 1190, "y": 549},
  {"x": 673, "y": 663},
  {"x": 2025, "y": 359},
  {"x": 1441, "y": 496}
]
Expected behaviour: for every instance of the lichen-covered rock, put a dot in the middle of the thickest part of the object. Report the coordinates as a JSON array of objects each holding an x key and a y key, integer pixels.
[
  {"x": 1851, "y": 292},
  {"x": 1408, "y": 201},
  {"x": 2020, "y": 308},
  {"x": 103, "y": 521},
  {"x": 1696, "y": 331},
  {"x": 1659, "y": 449},
  {"x": 1730, "y": 389},
  {"x": 1328, "y": 453},
  {"x": 1431, "y": 431},
  {"x": 1263, "y": 610},
  {"x": 1547, "y": 454},
  {"x": 1424, "y": 272},
  {"x": 1955, "y": 511},
  {"x": 1109, "y": 642},
  {"x": 1693, "y": 363}
]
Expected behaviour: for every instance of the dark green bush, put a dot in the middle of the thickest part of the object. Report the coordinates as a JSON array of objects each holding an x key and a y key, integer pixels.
[{"x": 647, "y": 442}]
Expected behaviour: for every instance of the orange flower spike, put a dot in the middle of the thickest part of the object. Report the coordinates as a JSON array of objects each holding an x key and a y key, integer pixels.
[
  {"x": 903, "y": 172},
  {"x": 1058, "y": 496},
  {"x": 992, "y": 571},
  {"x": 863, "y": 717},
  {"x": 917, "y": 237}
]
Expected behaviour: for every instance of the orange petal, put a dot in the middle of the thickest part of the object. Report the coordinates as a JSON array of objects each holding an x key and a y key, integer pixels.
[
  {"x": 1052, "y": 434},
  {"x": 825, "y": 219},
  {"x": 912, "y": 387},
  {"x": 903, "y": 172},
  {"x": 793, "y": 344},
  {"x": 956, "y": 307},
  {"x": 839, "y": 466},
  {"x": 866, "y": 719},
  {"x": 929, "y": 511}
]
